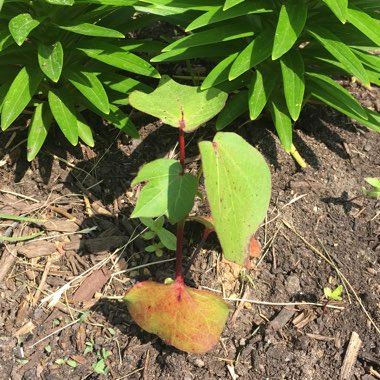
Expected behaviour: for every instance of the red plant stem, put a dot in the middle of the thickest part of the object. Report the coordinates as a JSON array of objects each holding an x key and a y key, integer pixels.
[
  {"x": 179, "y": 250},
  {"x": 181, "y": 224},
  {"x": 182, "y": 144}
]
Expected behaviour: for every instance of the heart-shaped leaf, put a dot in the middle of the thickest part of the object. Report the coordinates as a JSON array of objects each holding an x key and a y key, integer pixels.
[
  {"x": 188, "y": 319},
  {"x": 171, "y": 100},
  {"x": 238, "y": 186},
  {"x": 167, "y": 192}
]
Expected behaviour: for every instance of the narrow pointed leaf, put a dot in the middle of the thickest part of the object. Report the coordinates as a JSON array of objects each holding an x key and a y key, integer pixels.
[
  {"x": 91, "y": 88},
  {"x": 365, "y": 23},
  {"x": 64, "y": 114},
  {"x": 339, "y": 8},
  {"x": 166, "y": 193},
  {"x": 189, "y": 319},
  {"x": 231, "y": 3},
  {"x": 61, "y": 2},
  {"x": 38, "y": 130},
  {"x": 171, "y": 100},
  {"x": 281, "y": 119},
  {"x": 292, "y": 68},
  {"x": 217, "y": 14},
  {"x": 340, "y": 51},
  {"x": 326, "y": 89},
  {"x": 94, "y": 30},
  {"x": 234, "y": 108},
  {"x": 21, "y": 25},
  {"x": 290, "y": 24},
  {"x": 19, "y": 94},
  {"x": 238, "y": 188},
  {"x": 219, "y": 73},
  {"x": 257, "y": 51},
  {"x": 84, "y": 131},
  {"x": 50, "y": 59},
  {"x": 122, "y": 59},
  {"x": 261, "y": 87},
  {"x": 227, "y": 32}
]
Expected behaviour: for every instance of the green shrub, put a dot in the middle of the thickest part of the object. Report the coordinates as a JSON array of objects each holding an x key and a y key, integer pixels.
[
  {"x": 63, "y": 57},
  {"x": 276, "y": 55}
]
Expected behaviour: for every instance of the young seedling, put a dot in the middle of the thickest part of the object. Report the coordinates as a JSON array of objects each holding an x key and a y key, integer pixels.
[
  {"x": 375, "y": 192},
  {"x": 237, "y": 182},
  {"x": 157, "y": 231},
  {"x": 334, "y": 295}
]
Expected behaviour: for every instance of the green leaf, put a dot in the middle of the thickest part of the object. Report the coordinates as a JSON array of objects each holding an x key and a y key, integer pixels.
[
  {"x": 219, "y": 73},
  {"x": 90, "y": 87},
  {"x": 38, "y": 130},
  {"x": 365, "y": 23},
  {"x": 171, "y": 101},
  {"x": 19, "y": 94},
  {"x": 61, "y": 2},
  {"x": 234, "y": 108},
  {"x": 292, "y": 68},
  {"x": 281, "y": 119},
  {"x": 168, "y": 239},
  {"x": 231, "y": 3},
  {"x": 50, "y": 59},
  {"x": 257, "y": 51},
  {"x": 188, "y": 319},
  {"x": 340, "y": 51},
  {"x": 21, "y": 238},
  {"x": 122, "y": 83},
  {"x": 167, "y": 192},
  {"x": 217, "y": 14},
  {"x": 21, "y": 25},
  {"x": 339, "y": 8},
  {"x": 328, "y": 91},
  {"x": 22, "y": 218},
  {"x": 238, "y": 187},
  {"x": 94, "y": 30},
  {"x": 64, "y": 113},
  {"x": 84, "y": 131},
  {"x": 122, "y": 59},
  {"x": 263, "y": 81},
  {"x": 291, "y": 22},
  {"x": 227, "y": 32},
  {"x": 334, "y": 295},
  {"x": 375, "y": 182}
]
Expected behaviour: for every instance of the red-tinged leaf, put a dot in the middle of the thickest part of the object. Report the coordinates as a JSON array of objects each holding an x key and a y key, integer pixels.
[
  {"x": 188, "y": 319},
  {"x": 254, "y": 247}
]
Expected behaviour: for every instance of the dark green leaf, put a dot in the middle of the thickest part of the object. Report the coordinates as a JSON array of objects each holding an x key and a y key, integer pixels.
[
  {"x": 290, "y": 24},
  {"x": 257, "y": 51},
  {"x": 327, "y": 90},
  {"x": 38, "y": 130},
  {"x": 122, "y": 59},
  {"x": 64, "y": 114},
  {"x": 84, "y": 131},
  {"x": 21, "y": 25},
  {"x": 339, "y": 8},
  {"x": 365, "y": 23},
  {"x": 340, "y": 51},
  {"x": 87, "y": 29},
  {"x": 234, "y": 108},
  {"x": 262, "y": 84},
  {"x": 292, "y": 68},
  {"x": 90, "y": 87},
  {"x": 19, "y": 95},
  {"x": 281, "y": 119},
  {"x": 50, "y": 58}
]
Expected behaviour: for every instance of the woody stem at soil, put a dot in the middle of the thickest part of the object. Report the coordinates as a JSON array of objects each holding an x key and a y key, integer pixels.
[{"x": 181, "y": 224}]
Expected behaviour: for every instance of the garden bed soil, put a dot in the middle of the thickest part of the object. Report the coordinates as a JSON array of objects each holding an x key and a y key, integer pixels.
[{"x": 319, "y": 228}]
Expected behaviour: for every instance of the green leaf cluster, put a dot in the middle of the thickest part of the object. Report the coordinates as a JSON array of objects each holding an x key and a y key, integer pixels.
[
  {"x": 63, "y": 58},
  {"x": 275, "y": 55}
]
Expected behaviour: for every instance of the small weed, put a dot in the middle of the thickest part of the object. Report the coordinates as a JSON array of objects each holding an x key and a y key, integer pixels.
[
  {"x": 375, "y": 192},
  {"x": 335, "y": 295},
  {"x": 70, "y": 362}
]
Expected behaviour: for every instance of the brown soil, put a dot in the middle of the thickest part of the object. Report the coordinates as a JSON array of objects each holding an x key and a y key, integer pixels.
[{"x": 314, "y": 212}]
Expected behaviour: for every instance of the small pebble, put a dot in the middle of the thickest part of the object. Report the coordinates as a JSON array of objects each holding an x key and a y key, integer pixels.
[
  {"x": 293, "y": 284},
  {"x": 199, "y": 363}
]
